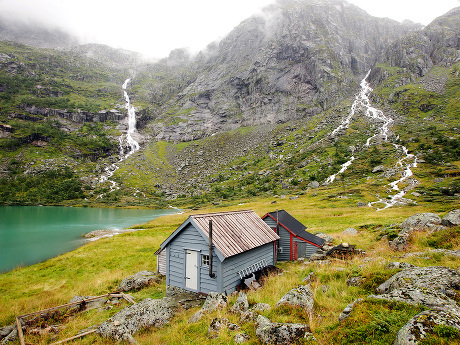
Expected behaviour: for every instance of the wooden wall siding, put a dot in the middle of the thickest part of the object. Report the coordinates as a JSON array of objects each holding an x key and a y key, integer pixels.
[
  {"x": 161, "y": 262},
  {"x": 232, "y": 265},
  {"x": 189, "y": 238},
  {"x": 235, "y": 232},
  {"x": 285, "y": 243}
]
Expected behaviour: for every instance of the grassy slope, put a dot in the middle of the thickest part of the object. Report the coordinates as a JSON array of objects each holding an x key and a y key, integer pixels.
[{"x": 98, "y": 267}]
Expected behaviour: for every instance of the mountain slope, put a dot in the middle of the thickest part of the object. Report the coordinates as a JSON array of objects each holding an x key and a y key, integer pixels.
[{"x": 297, "y": 60}]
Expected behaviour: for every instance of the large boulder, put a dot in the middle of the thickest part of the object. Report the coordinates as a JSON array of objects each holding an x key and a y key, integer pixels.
[
  {"x": 451, "y": 219},
  {"x": 301, "y": 296},
  {"x": 422, "y": 222},
  {"x": 148, "y": 313},
  {"x": 138, "y": 280},
  {"x": 279, "y": 333},
  {"x": 418, "y": 222},
  {"x": 423, "y": 324},
  {"x": 241, "y": 304},
  {"x": 214, "y": 301},
  {"x": 433, "y": 287}
]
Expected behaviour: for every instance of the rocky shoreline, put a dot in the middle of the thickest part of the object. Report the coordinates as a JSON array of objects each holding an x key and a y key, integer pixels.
[{"x": 98, "y": 234}]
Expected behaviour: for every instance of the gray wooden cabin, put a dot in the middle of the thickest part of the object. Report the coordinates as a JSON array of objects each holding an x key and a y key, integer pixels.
[
  {"x": 294, "y": 241},
  {"x": 241, "y": 243}
]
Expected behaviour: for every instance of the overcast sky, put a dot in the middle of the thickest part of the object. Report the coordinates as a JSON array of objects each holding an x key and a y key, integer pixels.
[{"x": 156, "y": 27}]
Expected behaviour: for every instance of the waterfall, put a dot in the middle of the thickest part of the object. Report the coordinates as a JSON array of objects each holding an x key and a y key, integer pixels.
[
  {"x": 132, "y": 144},
  {"x": 362, "y": 102}
]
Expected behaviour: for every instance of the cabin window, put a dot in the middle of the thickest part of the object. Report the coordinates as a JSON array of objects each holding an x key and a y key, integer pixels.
[{"x": 204, "y": 260}]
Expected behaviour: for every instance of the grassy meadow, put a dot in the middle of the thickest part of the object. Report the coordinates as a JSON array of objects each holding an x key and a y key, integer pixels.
[{"x": 98, "y": 267}]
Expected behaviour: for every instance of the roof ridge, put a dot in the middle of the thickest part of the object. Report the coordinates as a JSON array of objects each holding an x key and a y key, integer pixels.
[{"x": 219, "y": 213}]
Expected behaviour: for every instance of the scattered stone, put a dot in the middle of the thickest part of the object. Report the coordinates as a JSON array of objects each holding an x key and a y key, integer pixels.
[
  {"x": 6, "y": 331},
  {"x": 415, "y": 194},
  {"x": 327, "y": 238},
  {"x": 301, "y": 296},
  {"x": 348, "y": 309},
  {"x": 214, "y": 301},
  {"x": 313, "y": 184},
  {"x": 451, "y": 219},
  {"x": 184, "y": 299},
  {"x": 361, "y": 204},
  {"x": 279, "y": 333},
  {"x": 147, "y": 313},
  {"x": 393, "y": 265},
  {"x": 438, "y": 180},
  {"x": 241, "y": 338},
  {"x": 377, "y": 169},
  {"x": 261, "y": 307},
  {"x": 311, "y": 277},
  {"x": 350, "y": 231},
  {"x": 233, "y": 327},
  {"x": 138, "y": 281},
  {"x": 11, "y": 337},
  {"x": 215, "y": 327},
  {"x": 423, "y": 324},
  {"x": 248, "y": 316},
  {"x": 355, "y": 281},
  {"x": 241, "y": 304},
  {"x": 293, "y": 197}
]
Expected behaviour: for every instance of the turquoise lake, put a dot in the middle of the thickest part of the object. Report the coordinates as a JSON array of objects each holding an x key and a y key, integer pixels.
[{"x": 31, "y": 234}]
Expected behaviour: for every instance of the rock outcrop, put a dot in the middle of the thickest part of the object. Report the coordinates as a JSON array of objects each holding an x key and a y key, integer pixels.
[
  {"x": 301, "y": 296},
  {"x": 279, "y": 333},
  {"x": 146, "y": 314},
  {"x": 424, "y": 323},
  {"x": 241, "y": 304},
  {"x": 138, "y": 281},
  {"x": 452, "y": 218},
  {"x": 214, "y": 301}
]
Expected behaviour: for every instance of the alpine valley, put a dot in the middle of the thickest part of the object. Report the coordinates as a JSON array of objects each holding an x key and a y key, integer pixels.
[{"x": 274, "y": 108}]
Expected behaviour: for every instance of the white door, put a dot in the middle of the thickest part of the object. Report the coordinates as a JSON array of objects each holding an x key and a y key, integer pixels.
[{"x": 191, "y": 269}]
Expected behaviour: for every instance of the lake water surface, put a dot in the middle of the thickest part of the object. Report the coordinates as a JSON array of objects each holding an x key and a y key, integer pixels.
[{"x": 30, "y": 234}]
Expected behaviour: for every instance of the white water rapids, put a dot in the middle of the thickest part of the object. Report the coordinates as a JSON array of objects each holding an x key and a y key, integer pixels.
[
  {"x": 125, "y": 141},
  {"x": 363, "y": 103}
]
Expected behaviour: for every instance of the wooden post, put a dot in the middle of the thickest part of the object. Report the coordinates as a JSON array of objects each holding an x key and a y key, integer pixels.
[{"x": 20, "y": 334}]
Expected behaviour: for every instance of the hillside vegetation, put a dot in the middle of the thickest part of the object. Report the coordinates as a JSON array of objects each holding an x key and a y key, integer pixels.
[{"x": 98, "y": 268}]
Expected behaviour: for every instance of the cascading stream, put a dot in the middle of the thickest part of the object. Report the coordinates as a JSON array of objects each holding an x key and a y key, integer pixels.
[
  {"x": 132, "y": 145},
  {"x": 362, "y": 102}
]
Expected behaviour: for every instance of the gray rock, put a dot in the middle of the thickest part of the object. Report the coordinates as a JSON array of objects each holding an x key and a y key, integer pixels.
[
  {"x": 311, "y": 277},
  {"x": 402, "y": 241},
  {"x": 379, "y": 168},
  {"x": 317, "y": 257},
  {"x": 215, "y": 326},
  {"x": 11, "y": 337},
  {"x": 422, "y": 325},
  {"x": 94, "y": 304},
  {"x": 138, "y": 280},
  {"x": 214, "y": 301},
  {"x": 183, "y": 298},
  {"x": 313, "y": 184},
  {"x": 350, "y": 231},
  {"x": 433, "y": 287},
  {"x": 393, "y": 265},
  {"x": 355, "y": 281},
  {"x": 147, "y": 313},
  {"x": 422, "y": 222},
  {"x": 261, "y": 307},
  {"x": 438, "y": 180},
  {"x": 248, "y": 316},
  {"x": 5, "y": 331},
  {"x": 327, "y": 238},
  {"x": 348, "y": 309},
  {"x": 279, "y": 333},
  {"x": 452, "y": 218},
  {"x": 241, "y": 304},
  {"x": 241, "y": 338},
  {"x": 361, "y": 204},
  {"x": 301, "y": 296}
]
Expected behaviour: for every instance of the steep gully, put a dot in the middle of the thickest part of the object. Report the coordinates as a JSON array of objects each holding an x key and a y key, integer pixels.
[
  {"x": 126, "y": 142},
  {"x": 362, "y": 103}
]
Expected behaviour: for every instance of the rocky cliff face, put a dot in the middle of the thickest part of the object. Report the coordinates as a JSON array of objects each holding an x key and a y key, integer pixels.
[
  {"x": 437, "y": 44},
  {"x": 297, "y": 59}
]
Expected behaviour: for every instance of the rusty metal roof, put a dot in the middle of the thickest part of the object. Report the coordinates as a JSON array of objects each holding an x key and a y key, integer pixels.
[
  {"x": 232, "y": 232},
  {"x": 235, "y": 232}
]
